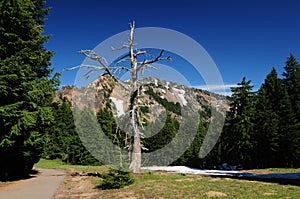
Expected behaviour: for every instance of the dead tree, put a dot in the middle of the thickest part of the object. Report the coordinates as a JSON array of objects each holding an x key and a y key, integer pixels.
[{"x": 133, "y": 88}]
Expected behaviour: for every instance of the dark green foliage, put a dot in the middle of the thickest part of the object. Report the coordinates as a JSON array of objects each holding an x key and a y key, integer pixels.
[
  {"x": 164, "y": 136},
  {"x": 267, "y": 121},
  {"x": 291, "y": 81},
  {"x": 170, "y": 106},
  {"x": 26, "y": 92},
  {"x": 274, "y": 133},
  {"x": 110, "y": 128},
  {"x": 271, "y": 136},
  {"x": 116, "y": 179},
  {"x": 63, "y": 141},
  {"x": 144, "y": 109},
  {"x": 107, "y": 122},
  {"x": 98, "y": 135},
  {"x": 212, "y": 137},
  {"x": 238, "y": 130},
  {"x": 191, "y": 156}
]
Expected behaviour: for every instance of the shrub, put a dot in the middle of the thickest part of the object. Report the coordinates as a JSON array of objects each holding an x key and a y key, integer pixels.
[{"x": 115, "y": 179}]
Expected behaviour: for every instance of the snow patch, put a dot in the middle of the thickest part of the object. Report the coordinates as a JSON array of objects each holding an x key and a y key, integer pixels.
[
  {"x": 180, "y": 94},
  {"x": 188, "y": 170},
  {"x": 163, "y": 91},
  {"x": 119, "y": 106},
  {"x": 156, "y": 82},
  {"x": 167, "y": 85}
]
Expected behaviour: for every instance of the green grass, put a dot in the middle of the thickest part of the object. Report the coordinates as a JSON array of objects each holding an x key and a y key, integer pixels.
[
  {"x": 168, "y": 185},
  {"x": 165, "y": 185},
  {"x": 58, "y": 164}
]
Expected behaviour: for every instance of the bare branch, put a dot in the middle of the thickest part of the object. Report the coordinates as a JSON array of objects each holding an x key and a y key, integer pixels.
[
  {"x": 150, "y": 66},
  {"x": 140, "y": 52},
  {"x": 93, "y": 55},
  {"x": 85, "y": 66},
  {"x": 121, "y": 48},
  {"x": 87, "y": 75},
  {"x": 148, "y": 62},
  {"x": 158, "y": 58},
  {"x": 121, "y": 68}
]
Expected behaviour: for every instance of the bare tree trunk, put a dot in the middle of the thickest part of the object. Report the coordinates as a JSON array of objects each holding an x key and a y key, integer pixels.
[
  {"x": 136, "y": 153},
  {"x": 134, "y": 92}
]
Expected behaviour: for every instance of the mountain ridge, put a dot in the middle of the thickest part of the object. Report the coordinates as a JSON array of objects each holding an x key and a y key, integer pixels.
[{"x": 102, "y": 91}]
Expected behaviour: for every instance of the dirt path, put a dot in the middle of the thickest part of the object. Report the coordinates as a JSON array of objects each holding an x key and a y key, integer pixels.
[{"x": 42, "y": 186}]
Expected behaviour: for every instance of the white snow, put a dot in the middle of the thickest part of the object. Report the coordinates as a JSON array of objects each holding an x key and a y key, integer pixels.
[
  {"x": 163, "y": 91},
  {"x": 167, "y": 85},
  {"x": 180, "y": 94},
  {"x": 119, "y": 106},
  {"x": 187, "y": 170},
  {"x": 156, "y": 82}
]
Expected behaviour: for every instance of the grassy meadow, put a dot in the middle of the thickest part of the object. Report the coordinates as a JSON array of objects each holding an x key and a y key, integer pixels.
[{"x": 171, "y": 185}]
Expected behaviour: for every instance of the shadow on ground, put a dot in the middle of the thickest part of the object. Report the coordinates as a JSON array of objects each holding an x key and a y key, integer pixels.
[
  {"x": 269, "y": 178},
  {"x": 31, "y": 174}
]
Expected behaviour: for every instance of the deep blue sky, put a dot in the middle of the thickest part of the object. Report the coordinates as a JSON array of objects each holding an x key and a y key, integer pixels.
[{"x": 244, "y": 38}]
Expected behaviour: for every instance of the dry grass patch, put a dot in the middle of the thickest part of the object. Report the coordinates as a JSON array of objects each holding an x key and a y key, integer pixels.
[
  {"x": 215, "y": 194},
  {"x": 185, "y": 180}
]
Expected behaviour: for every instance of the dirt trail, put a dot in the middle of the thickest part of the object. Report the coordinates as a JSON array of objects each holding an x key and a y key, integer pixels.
[{"x": 42, "y": 186}]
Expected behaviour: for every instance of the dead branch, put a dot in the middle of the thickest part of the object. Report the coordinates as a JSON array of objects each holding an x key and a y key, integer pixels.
[
  {"x": 93, "y": 56},
  {"x": 85, "y": 66},
  {"x": 156, "y": 59}
]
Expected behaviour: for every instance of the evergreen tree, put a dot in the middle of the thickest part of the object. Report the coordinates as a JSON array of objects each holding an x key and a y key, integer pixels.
[
  {"x": 62, "y": 140},
  {"x": 291, "y": 81},
  {"x": 191, "y": 156},
  {"x": 164, "y": 136},
  {"x": 238, "y": 130},
  {"x": 107, "y": 123},
  {"x": 213, "y": 158},
  {"x": 26, "y": 92},
  {"x": 267, "y": 121},
  {"x": 287, "y": 135},
  {"x": 275, "y": 137}
]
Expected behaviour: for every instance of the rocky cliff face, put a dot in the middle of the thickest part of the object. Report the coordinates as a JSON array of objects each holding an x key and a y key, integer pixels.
[{"x": 157, "y": 94}]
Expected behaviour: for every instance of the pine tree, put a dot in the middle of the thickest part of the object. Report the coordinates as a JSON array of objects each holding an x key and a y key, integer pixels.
[
  {"x": 238, "y": 130},
  {"x": 287, "y": 135},
  {"x": 62, "y": 141},
  {"x": 267, "y": 121},
  {"x": 275, "y": 137},
  {"x": 291, "y": 81},
  {"x": 164, "y": 136},
  {"x": 26, "y": 92},
  {"x": 108, "y": 124}
]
